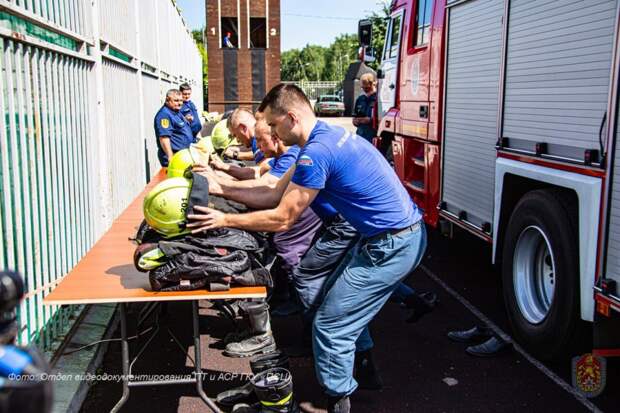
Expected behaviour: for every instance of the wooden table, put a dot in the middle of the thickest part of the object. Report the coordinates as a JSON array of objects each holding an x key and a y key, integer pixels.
[{"x": 106, "y": 274}]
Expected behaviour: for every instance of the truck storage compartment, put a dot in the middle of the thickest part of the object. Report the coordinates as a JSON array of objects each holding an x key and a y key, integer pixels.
[
  {"x": 474, "y": 45},
  {"x": 558, "y": 61}
]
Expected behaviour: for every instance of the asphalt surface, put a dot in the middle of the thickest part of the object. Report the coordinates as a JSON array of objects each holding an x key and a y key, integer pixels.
[{"x": 422, "y": 370}]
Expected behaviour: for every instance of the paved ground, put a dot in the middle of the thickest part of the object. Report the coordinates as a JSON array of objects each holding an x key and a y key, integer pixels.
[{"x": 417, "y": 361}]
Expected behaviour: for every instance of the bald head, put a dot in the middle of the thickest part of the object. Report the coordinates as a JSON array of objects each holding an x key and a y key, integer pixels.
[{"x": 241, "y": 124}]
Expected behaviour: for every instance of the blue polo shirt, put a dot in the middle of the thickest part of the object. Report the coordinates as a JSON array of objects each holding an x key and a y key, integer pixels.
[
  {"x": 363, "y": 108},
  {"x": 189, "y": 108},
  {"x": 281, "y": 164},
  {"x": 174, "y": 126},
  {"x": 258, "y": 154},
  {"x": 355, "y": 179}
]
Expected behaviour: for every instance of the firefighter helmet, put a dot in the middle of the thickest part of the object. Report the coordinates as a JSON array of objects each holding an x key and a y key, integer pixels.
[
  {"x": 164, "y": 207},
  {"x": 221, "y": 137}
]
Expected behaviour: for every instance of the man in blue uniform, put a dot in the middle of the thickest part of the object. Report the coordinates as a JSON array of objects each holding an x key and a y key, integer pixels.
[
  {"x": 357, "y": 181},
  {"x": 171, "y": 129},
  {"x": 188, "y": 110}
]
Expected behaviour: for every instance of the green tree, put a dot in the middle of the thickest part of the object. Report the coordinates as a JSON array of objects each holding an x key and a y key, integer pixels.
[
  {"x": 198, "y": 38},
  {"x": 338, "y": 56},
  {"x": 331, "y": 63}
]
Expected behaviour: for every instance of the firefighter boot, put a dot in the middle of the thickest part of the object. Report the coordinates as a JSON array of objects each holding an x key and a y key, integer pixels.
[
  {"x": 274, "y": 390},
  {"x": 365, "y": 372},
  {"x": 245, "y": 393},
  {"x": 261, "y": 340}
]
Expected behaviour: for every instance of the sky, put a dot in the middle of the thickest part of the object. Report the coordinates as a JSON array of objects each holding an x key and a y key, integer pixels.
[{"x": 314, "y": 22}]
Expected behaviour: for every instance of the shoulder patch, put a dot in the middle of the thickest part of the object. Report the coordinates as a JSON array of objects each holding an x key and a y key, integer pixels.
[
  {"x": 165, "y": 123},
  {"x": 305, "y": 160}
]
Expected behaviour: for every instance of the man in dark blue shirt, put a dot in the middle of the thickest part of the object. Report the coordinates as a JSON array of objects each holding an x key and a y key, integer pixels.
[
  {"x": 171, "y": 129},
  {"x": 364, "y": 106},
  {"x": 356, "y": 181},
  {"x": 188, "y": 110}
]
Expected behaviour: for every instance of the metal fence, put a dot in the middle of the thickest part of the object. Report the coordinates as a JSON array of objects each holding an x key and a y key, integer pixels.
[
  {"x": 81, "y": 82},
  {"x": 314, "y": 89}
]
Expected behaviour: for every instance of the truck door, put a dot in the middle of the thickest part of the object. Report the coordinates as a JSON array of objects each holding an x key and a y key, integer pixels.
[
  {"x": 389, "y": 66},
  {"x": 415, "y": 71}
]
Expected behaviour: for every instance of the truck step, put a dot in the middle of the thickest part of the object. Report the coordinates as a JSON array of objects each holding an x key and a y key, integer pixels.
[
  {"x": 418, "y": 161},
  {"x": 417, "y": 186}
]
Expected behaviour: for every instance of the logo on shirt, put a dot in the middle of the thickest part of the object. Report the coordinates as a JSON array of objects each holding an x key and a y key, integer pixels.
[
  {"x": 165, "y": 123},
  {"x": 305, "y": 160}
]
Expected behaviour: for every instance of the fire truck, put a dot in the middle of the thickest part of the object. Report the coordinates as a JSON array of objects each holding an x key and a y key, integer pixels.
[{"x": 502, "y": 118}]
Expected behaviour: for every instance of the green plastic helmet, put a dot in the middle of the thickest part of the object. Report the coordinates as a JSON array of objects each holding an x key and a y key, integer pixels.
[
  {"x": 164, "y": 207},
  {"x": 221, "y": 137},
  {"x": 181, "y": 162}
]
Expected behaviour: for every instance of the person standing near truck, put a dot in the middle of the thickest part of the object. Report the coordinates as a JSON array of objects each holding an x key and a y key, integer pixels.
[
  {"x": 359, "y": 183},
  {"x": 364, "y": 106}
]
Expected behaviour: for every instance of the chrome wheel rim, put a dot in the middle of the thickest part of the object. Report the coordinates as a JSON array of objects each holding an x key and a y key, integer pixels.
[{"x": 534, "y": 274}]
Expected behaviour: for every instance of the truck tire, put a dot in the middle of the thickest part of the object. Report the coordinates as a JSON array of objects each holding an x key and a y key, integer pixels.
[{"x": 541, "y": 272}]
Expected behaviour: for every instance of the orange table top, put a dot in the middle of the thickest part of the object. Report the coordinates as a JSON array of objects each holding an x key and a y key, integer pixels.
[{"x": 106, "y": 274}]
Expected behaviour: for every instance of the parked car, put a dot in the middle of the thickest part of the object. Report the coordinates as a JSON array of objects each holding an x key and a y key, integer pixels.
[{"x": 329, "y": 105}]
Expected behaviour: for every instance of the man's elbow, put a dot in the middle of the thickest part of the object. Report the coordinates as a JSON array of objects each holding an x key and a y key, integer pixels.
[{"x": 286, "y": 222}]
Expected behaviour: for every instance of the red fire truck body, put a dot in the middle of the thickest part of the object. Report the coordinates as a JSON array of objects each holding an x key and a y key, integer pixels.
[{"x": 502, "y": 118}]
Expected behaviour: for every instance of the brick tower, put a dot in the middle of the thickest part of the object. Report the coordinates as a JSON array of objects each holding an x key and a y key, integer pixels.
[{"x": 243, "y": 44}]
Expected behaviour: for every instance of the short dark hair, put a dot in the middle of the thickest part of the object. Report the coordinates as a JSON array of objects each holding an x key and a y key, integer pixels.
[
  {"x": 184, "y": 87},
  {"x": 282, "y": 97}
]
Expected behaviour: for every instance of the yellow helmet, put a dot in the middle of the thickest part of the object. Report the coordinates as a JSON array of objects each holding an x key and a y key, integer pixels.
[
  {"x": 221, "y": 137},
  {"x": 164, "y": 207},
  {"x": 182, "y": 161},
  {"x": 205, "y": 145}
]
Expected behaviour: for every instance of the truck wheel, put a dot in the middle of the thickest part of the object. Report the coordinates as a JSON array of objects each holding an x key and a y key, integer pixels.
[{"x": 541, "y": 272}]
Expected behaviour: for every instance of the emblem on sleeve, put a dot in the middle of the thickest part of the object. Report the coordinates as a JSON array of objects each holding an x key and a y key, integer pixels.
[
  {"x": 165, "y": 123},
  {"x": 305, "y": 160}
]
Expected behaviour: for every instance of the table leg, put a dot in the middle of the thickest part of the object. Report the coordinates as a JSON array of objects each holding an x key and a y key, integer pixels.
[
  {"x": 125, "y": 356},
  {"x": 197, "y": 363}
]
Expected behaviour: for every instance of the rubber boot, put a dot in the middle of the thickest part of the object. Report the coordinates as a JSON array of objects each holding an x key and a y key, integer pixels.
[
  {"x": 274, "y": 390},
  {"x": 245, "y": 393},
  {"x": 261, "y": 340},
  {"x": 339, "y": 404},
  {"x": 365, "y": 372}
]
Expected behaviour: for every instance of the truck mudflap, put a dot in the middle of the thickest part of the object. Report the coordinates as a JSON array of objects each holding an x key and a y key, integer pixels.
[{"x": 606, "y": 331}]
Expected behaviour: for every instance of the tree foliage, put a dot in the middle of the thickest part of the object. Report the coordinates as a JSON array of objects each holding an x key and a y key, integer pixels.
[
  {"x": 331, "y": 63},
  {"x": 198, "y": 38}
]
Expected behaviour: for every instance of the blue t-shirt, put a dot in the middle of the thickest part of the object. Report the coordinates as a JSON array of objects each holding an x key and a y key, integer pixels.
[
  {"x": 173, "y": 125},
  {"x": 189, "y": 108},
  {"x": 363, "y": 109},
  {"x": 281, "y": 164},
  {"x": 355, "y": 179},
  {"x": 258, "y": 154},
  {"x": 323, "y": 208}
]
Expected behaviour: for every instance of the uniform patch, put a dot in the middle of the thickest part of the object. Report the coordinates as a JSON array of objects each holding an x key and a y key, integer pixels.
[
  {"x": 165, "y": 123},
  {"x": 305, "y": 160}
]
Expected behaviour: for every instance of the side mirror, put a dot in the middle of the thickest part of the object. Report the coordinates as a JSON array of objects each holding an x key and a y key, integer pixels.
[
  {"x": 366, "y": 54},
  {"x": 364, "y": 32}
]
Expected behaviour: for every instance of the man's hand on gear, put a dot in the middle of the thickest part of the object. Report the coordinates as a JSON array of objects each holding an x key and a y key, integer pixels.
[
  {"x": 231, "y": 152},
  {"x": 208, "y": 219},
  {"x": 216, "y": 163},
  {"x": 214, "y": 186}
]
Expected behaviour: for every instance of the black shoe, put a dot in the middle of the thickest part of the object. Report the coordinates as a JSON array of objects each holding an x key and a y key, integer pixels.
[
  {"x": 473, "y": 335},
  {"x": 340, "y": 404},
  {"x": 489, "y": 348},
  {"x": 421, "y": 304},
  {"x": 365, "y": 372}
]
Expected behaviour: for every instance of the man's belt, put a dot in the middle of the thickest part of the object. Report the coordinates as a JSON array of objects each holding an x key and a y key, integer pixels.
[{"x": 398, "y": 231}]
